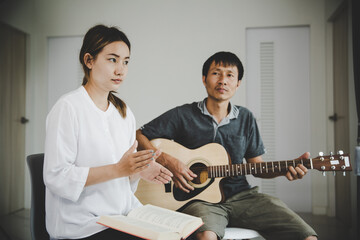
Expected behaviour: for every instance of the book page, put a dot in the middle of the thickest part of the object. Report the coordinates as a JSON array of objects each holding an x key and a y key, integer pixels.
[
  {"x": 164, "y": 217},
  {"x": 137, "y": 222},
  {"x": 138, "y": 228}
]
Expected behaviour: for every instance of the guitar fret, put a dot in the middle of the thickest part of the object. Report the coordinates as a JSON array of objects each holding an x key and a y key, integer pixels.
[
  {"x": 236, "y": 169},
  {"x": 260, "y": 167},
  {"x": 279, "y": 166},
  {"x": 249, "y": 167},
  {"x": 241, "y": 169},
  {"x": 255, "y": 168},
  {"x": 272, "y": 163},
  {"x": 286, "y": 163},
  {"x": 266, "y": 165},
  {"x": 245, "y": 169},
  {"x": 294, "y": 163}
]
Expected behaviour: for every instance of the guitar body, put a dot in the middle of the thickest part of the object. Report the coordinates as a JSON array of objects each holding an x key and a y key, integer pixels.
[
  {"x": 210, "y": 163},
  {"x": 207, "y": 189}
]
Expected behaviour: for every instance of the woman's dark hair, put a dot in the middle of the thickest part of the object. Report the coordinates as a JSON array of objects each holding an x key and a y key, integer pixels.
[
  {"x": 225, "y": 59},
  {"x": 94, "y": 41}
]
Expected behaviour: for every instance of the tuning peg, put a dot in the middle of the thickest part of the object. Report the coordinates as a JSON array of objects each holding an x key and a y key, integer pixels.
[
  {"x": 343, "y": 168},
  {"x": 333, "y": 168},
  {"x": 323, "y": 173},
  {"x": 341, "y": 152},
  {"x": 321, "y": 154},
  {"x": 331, "y": 156}
]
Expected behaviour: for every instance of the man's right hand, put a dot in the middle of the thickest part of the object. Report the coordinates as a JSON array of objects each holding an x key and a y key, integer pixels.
[{"x": 182, "y": 174}]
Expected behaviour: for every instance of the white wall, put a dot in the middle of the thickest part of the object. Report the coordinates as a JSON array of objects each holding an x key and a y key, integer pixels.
[{"x": 170, "y": 40}]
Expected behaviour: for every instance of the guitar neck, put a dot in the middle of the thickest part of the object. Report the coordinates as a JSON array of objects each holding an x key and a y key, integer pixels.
[{"x": 255, "y": 168}]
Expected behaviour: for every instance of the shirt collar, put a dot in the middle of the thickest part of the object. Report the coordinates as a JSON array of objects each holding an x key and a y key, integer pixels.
[{"x": 234, "y": 112}]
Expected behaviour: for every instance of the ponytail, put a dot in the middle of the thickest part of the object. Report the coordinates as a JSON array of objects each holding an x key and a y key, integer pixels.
[{"x": 118, "y": 103}]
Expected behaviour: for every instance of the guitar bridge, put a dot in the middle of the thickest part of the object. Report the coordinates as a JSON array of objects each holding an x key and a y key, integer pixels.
[{"x": 167, "y": 187}]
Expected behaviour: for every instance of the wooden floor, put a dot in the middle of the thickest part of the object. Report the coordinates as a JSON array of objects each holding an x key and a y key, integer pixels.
[{"x": 16, "y": 226}]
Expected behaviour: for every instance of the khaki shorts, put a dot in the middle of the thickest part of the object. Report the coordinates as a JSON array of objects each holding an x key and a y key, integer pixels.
[{"x": 249, "y": 209}]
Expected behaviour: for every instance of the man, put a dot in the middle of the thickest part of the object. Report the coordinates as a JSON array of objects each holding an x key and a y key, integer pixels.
[{"x": 215, "y": 119}]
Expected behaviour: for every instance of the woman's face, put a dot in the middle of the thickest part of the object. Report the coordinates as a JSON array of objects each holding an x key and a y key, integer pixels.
[{"x": 110, "y": 67}]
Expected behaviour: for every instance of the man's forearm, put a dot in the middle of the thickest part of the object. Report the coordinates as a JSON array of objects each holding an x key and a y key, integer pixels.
[{"x": 144, "y": 143}]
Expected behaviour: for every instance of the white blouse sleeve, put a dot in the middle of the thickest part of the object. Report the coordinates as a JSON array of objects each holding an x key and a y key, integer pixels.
[{"x": 61, "y": 175}]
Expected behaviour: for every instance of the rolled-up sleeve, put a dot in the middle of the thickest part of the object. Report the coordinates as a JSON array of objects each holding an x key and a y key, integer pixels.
[
  {"x": 61, "y": 174},
  {"x": 164, "y": 126}
]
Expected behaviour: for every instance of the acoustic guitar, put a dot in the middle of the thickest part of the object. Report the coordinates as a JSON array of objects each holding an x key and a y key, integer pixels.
[{"x": 211, "y": 163}]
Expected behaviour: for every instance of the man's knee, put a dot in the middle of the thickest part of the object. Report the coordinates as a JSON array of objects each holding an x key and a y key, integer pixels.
[
  {"x": 206, "y": 235},
  {"x": 311, "y": 238}
]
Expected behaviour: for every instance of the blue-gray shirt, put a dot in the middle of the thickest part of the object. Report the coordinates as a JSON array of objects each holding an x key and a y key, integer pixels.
[{"x": 192, "y": 126}]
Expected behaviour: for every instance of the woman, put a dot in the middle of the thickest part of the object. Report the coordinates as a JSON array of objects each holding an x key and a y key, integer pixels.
[{"x": 91, "y": 165}]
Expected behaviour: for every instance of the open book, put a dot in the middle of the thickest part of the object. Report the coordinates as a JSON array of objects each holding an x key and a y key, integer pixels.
[{"x": 152, "y": 222}]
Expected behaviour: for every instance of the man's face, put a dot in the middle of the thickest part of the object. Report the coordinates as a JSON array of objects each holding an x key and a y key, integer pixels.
[{"x": 221, "y": 82}]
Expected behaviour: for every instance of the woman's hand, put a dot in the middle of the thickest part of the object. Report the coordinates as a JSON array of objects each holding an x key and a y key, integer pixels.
[
  {"x": 156, "y": 173},
  {"x": 134, "y": 162}
]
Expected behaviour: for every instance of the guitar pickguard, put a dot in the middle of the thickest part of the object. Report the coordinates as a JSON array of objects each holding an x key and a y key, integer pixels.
[{"x": 180, "y": 195}]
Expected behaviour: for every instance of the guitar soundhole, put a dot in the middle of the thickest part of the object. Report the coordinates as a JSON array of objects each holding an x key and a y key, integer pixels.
[{"x": 200, "y": 170}]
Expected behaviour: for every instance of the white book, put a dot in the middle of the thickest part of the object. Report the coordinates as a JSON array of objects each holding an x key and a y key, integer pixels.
[{"x": 155, "y": 223}]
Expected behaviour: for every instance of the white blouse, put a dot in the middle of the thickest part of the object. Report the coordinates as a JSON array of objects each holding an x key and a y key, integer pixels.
[{"x": 79, "y": 136}]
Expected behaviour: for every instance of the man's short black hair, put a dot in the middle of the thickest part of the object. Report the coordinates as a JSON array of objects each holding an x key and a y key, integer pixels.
[{"x": 224, "y": 59}]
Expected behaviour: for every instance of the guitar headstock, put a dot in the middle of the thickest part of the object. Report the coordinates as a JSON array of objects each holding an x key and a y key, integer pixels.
[{"x": 332, "y": 162}]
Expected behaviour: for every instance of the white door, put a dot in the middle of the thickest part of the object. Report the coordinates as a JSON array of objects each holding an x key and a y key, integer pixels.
[{"x": 278, "y": 93}]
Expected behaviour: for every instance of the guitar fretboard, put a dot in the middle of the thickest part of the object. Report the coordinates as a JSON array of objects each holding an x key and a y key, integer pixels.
[{"x": 255, "y": 168}]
